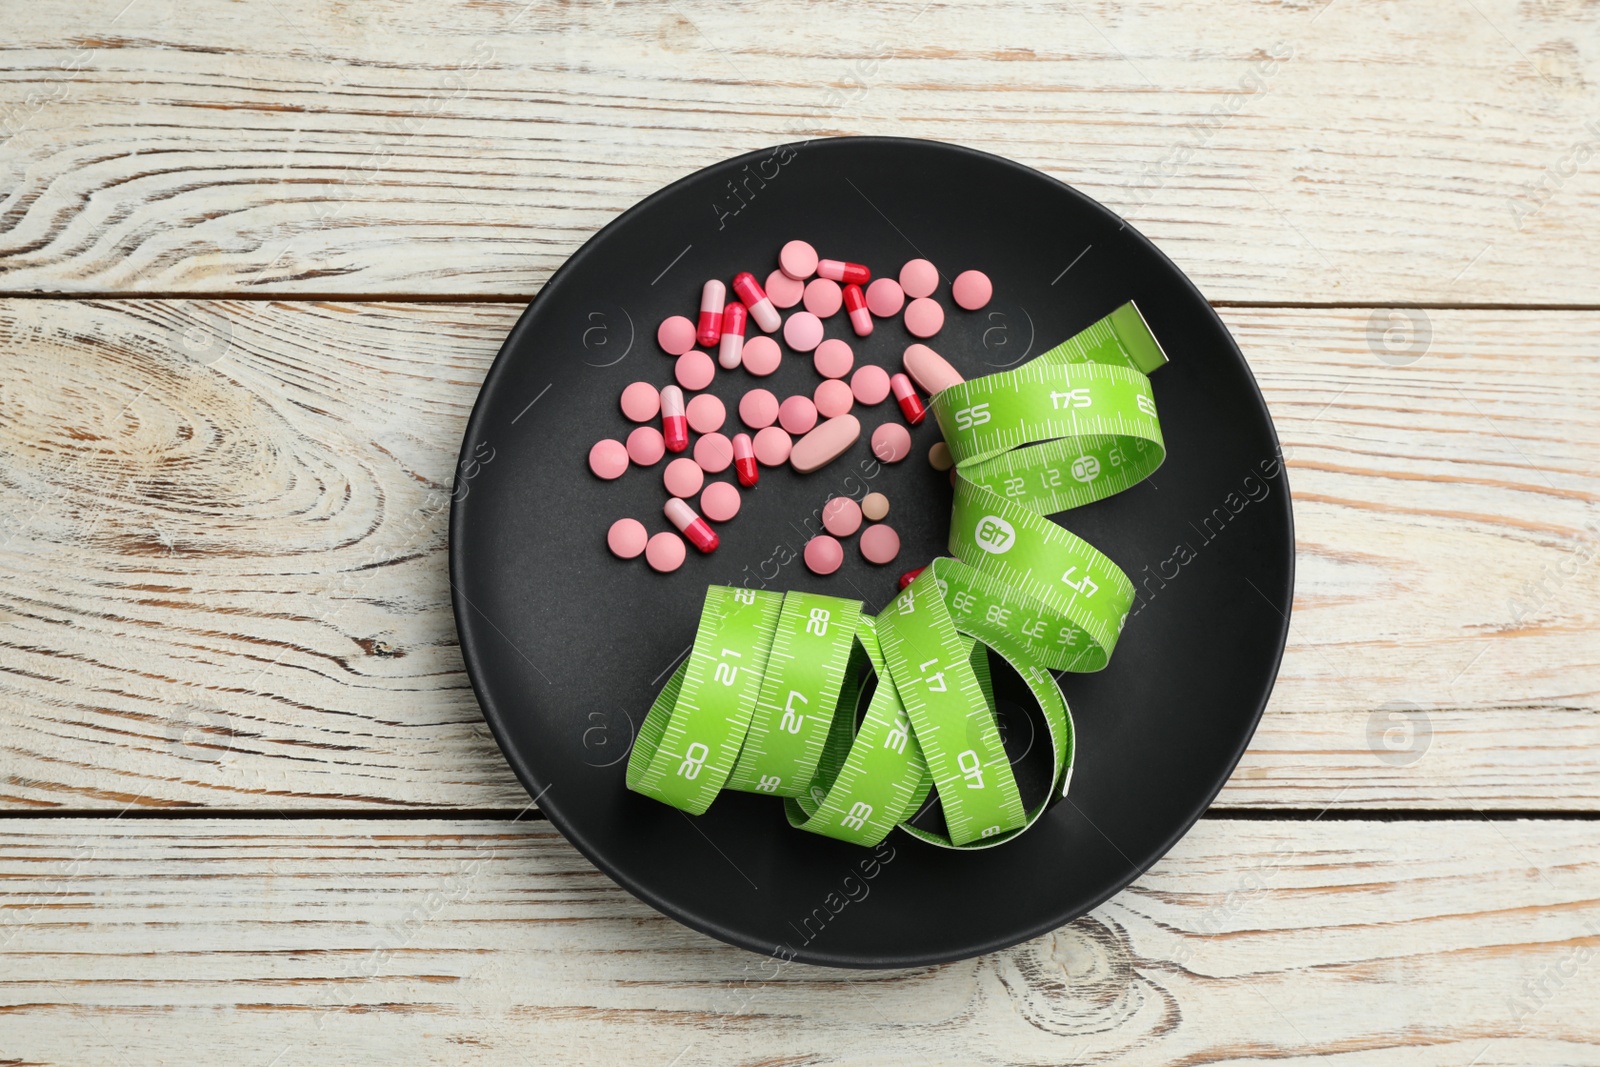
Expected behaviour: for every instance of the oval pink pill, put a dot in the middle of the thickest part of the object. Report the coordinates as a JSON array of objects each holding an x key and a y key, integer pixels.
[
  {"x": 664, "y": 552},
  {"x": 825, "y": 444},
  {"x": 870, "y": 384},
  {"x": 823, "y": 554},
  {"x": 641, "y": 402},
  {"x": 762, "y": 356},
  {"x": 694, "y": 370},
  {"x": 930, "y": 370},
  {"x": 797, "y": 414},
  {"x": 880, "y": 544},
  {"x": 784, "y": 291},
  {"x": 919, "y": 278},
  {"x": 802, "y": 331},
  {"x": 891, "y": 442},
  {"x": 713, "y": 452},
  {"x": 705, "y": 413},
  {"x": 758, "y": 409},
  {"x": 972, "y": 289},
  {"x": 772, "y": 447},
  {"x": 823, "y": 297},
  {"x": 626, "y": 538},
  {"x": 683, "y": 478},
  {"x": 798, "y": 260},
  {"x": 833, "y": 358},
  {"x": 646, "y": 446},
  {"x": 885, "y": 298},
  {"x": 841, "y": 516},
  {"x": 833, "y": 398},
  {"x": 608, "y": 459},
  {"x": 924, "y": 317},
  {"x": 720, "y": 501},
  {"x": 675, "y": 335}
]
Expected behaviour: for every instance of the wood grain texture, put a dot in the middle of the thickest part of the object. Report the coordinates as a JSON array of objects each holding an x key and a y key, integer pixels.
[
  {"x": 1345, "y": 152},
  {"x": 489, "y": 942},
  {"x": 224, "y": 583}
]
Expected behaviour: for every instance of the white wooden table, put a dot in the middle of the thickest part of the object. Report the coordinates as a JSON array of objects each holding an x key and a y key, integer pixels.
[{"x": 254, "y": 262}]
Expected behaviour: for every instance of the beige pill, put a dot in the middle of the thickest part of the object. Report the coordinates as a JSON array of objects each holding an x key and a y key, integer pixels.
[
  {"x": 875, "y": 506},
  {"x": 825, "y": 444},
  {"x": 930, "y": 370},
  {"x": 939, "y": 456}
]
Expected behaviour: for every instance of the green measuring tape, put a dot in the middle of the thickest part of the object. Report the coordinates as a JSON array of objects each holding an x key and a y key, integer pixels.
[{"x": 770, "y": 698}]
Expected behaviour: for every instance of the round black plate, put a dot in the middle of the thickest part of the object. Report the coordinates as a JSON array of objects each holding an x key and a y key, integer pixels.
[{"x": 567, "y": 646}]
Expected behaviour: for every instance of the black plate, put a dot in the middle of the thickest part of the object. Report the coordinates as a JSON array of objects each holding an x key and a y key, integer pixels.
[{"x": 566, "y": 645}]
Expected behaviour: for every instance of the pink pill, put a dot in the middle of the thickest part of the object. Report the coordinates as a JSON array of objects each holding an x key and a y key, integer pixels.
[
  {"x": 924, "y": 317},
  {"x": 833, "y": 358},
  {"x": 826, "y": 443},
  {"x": 705, "y": 413},
  {"x": 841, "y": 516},
  {"x": 798, "y": 260},
  {"x": 695, "y": 370},
  {"x": 919, "y": 278},
  {"x": 720, "y": 501},
  {"x": 772, "y": 447},
  {"x": 891, "y": 442},
  {"x": 641, "y": 402},
  {"x": 683, "y": 477},
  {"x": 762, "y": 356},
  {"x": 833, "y": 398},
  {"x": 784, "y": 291},
  {"x": 823, "y": 554},
  {"x": 870, "y": 384},
  {"x": 823, "y": 297},
  {"x": 797, "y": 415},
  {"x": 675, "y": 335},
  {"x": 802, "y": 331},
  {"x": 713, "y": 452},
  {"x": 608, "y": 459},
  {"x": 758, "y": 409},
  {"x": 972, "y": 289},
  {"x": 880, "y": 544},
  {"x": 626, "y": 538},
  {"x": 646, "y": 446},
  {"x": 885, "y": 298},
  {"x": 665, "y": 552}
]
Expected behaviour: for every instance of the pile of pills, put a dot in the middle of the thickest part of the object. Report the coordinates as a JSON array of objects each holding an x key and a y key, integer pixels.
[{"x": 806, "y": 432}]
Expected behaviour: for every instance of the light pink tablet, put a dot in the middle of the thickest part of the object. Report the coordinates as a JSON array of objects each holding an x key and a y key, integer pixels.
[
  {"x": 675, "y": 335},
  {"x": 880, "y": 544},
  {"x": 772, "y": 447},
  {"x": 646, "y": 446},
  {"x": 833, "y": 398},
  {"x": 784, "y": 291},
  {"x": 713, "y": 452},
  {"x": 665, "y": 552},
  {"x": 627, "y": 538},
  {"x": 802, "y": 331},
  {"x": 798, "y": 260},
  {"x": 758, "y": 409},
  {"x": 823, "y": 297},
  {"x": 841, "y": 516},
  {"x": 924, "y": 317},
  {"x": 930, "y": 370},
  {"x": 683, "y": 478},
  {"x": 641, "y": 402},
  {"x": 972, "y": 289},
  {"x": 608, "y": 459},
  {"x": 870, "y": 384},
  {"x": 825, "y": 444},
  {"x": 762, "y": 356},
  {"x": 919, "y": 278},
  {"x": 833, "y": 358},
  {"x": 706, "y": 413},
  {"x": 885, "y": 298},
  {"x": 694, "y": 370},
  {"x": 797, "y": 414},
  {"x": 891, "y": 442},
  {"x": 720, "y": 501},
  {"x": 823, "y": 554}
]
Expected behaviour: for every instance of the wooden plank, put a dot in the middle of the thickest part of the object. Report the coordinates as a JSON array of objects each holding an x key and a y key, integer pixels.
[
  {"x": 432, "y": 941},
  {"x": 1339, "y": 152},
  {"x": 225, "y": 583}
]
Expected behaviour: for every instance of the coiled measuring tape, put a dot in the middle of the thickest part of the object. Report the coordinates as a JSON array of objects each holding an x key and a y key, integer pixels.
[{"x": 768, "y": 700}]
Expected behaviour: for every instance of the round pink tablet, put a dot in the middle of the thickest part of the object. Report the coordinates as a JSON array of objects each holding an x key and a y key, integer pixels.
[
  {"x": 798, "y": 260},
  {"x": 772, "y": 447},
  {"x": 972, "y": 289},
  {"x": 824, "y": 554},
  {"x": 885, "y": 298},
  {"x": 823, "y": 297},
  {"x": 626, "y": 538},
  {"x": 784, "y": 291},
  {"x": 608, "y": 458},
  {"x": 924, "y": 317},
  {"x": 720, "y": 501},
  {"x": 833, "y": 398},
  {"x": 841, "y": 516},
  {"x": 645, "y": 446},
  {"x": 833, "y": 358},
  {"x": 758, "y": 409},
  {"x": 802, "y": 331},
  {"x": 705, "y": 413},
  {"x": 641, "y": 402},
  {"x": 675, "y": 335},
  {"x": 870, "y": 384},
  {"x": 664, "y": 552},
  {"x": 797, "y": 415},
  {"x": 695, "y": 370},
  {"x": 683, "y": 477},
  {"x": 761, "y": 355},
  {"x": 891, "y": 442},
  {"x": 880, "y": 544},
  {"x": 919, "y": 278},
  {"x": 713, "y": 452}
]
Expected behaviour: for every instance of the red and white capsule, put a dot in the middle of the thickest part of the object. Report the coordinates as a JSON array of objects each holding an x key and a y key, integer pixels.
[
  {"x": 905, "y": 394},
  {"x": 674, "y": 423},
  {"x": 744, "y": 460},
  {"x": 731, "y": 351},
  {"x": 855, "y": 303},
  {"x": 713, "y": 295},
  {"x": 910, "y": 576},
  {"x": 692, "y": 526},
  {"x": 750, "y": 293},
  {"x": 843, "y": 273}
]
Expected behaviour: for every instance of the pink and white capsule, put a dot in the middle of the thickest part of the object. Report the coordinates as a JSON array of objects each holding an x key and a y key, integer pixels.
[
  {"x": 750, "y": 293},
  {"x": 905, "y": 394},
  {"x": 713, "y": 295},
  {"x": 674, "y": 423},
  {"x": 855, "y": 304},
  {"x": 744, "y": 460},
  {"x": 731, "y": 349},
  {"x": 842, "y": 272},
  {"x": 692, "y": 526}
]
